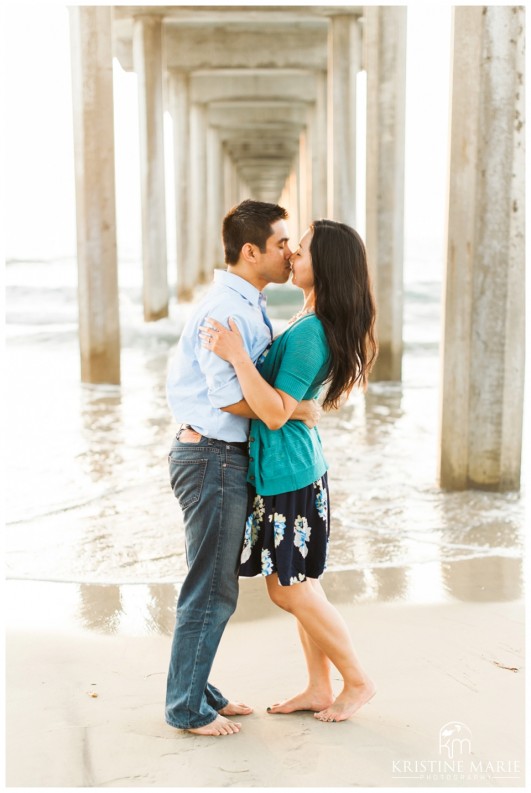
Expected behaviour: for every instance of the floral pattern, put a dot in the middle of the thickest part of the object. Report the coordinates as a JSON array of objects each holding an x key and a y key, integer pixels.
[
  {"x": 267, "y": 564},
  {"x": 321, "y": 500},
  {"x": 296, "y": 579},
  {"x": 302, "y": 535},
  {"x": 252, "y": 528},
  {"x": 258, "y": 507},
  {"x": 287, "y": 534},
  {"x": 279, "y": 523}
]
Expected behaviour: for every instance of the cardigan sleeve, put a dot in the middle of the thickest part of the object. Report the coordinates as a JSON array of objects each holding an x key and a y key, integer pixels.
[{"x": 304, "y": 361}]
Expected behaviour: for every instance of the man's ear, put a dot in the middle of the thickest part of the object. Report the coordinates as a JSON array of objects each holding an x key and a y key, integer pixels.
[{"x": 248, "y": 252}]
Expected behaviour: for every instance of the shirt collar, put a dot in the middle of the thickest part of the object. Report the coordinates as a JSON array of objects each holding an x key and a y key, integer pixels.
[{"x": 240, "y": 285}]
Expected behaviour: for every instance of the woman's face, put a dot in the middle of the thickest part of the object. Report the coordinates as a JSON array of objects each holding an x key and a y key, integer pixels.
[{"x": 301, "y": 263}]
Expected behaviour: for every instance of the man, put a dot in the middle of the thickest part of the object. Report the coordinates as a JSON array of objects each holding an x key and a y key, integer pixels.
[{"x": 208, "y": 460}]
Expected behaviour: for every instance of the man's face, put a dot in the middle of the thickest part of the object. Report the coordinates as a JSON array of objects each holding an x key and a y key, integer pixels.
[{"x": 273, "y": 264}]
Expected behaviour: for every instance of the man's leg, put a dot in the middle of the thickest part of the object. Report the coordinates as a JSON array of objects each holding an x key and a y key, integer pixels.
[{"x": 210, "y": 484}]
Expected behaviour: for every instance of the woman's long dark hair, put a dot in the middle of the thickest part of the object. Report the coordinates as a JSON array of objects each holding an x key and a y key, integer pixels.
[{"x": 345, "y": 305}]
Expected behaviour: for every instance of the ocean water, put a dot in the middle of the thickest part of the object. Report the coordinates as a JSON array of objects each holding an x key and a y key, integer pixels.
[{"x": 88, "y": 498}]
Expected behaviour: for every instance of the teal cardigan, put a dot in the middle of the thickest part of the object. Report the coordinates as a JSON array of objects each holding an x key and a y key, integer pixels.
[{"x": 297, "y": 362}]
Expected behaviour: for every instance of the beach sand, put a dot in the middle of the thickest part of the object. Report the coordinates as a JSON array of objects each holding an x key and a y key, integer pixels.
[{"x": 86, "y": 709}]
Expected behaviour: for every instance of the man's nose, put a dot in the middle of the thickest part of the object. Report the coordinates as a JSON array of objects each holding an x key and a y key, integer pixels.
[{"x": 287, "y": 251}]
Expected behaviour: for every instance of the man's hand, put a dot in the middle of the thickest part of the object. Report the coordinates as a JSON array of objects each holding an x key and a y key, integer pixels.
[{"x": 308, "y": 411}]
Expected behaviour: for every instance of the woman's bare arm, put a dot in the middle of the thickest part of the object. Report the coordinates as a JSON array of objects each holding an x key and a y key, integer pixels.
[
  {"x": 308, "y": 411},
  {"x": 272, "y": 406}
]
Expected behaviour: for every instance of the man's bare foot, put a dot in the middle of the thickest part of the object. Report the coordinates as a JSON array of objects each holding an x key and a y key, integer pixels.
[
  {"x": 235, "y": 709},
  {"x": 351, "y": 699},
  {"x": 310, "y": 699},
  {"x": 220, "y": 726}
]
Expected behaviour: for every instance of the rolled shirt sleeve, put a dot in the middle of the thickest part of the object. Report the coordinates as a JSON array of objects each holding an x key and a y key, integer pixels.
[
  {"x": 222, "y": 383},
  {"x": 199, "y": 383}
]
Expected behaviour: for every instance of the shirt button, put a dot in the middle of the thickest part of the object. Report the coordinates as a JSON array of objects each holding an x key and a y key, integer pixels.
[
  {"x": 251, "y": 477},
  {"x": 251, "y": 459},
  {"x": 251, "y": 440}
]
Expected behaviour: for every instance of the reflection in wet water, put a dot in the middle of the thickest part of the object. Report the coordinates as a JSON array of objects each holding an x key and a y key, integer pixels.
[
  {"x": 477, "y": 579},
  {"x": 100, "y": 607},
  {"x": 89, "y": 500},
  {"x": 141, "y": 609}
]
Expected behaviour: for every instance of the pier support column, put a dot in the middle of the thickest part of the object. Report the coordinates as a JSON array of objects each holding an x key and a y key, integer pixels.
[
  {"x": 385, "y": 58},
  {"x": 483, "y": 374},
  {"x": 92, "y": 89},
  {"x": 230, "y": 182},
  {"x": 293, "y": 204},
  {"x": 147, "y": 56},
  {"x": 180, "y": 110},
  {"x": 319, "y": 147},
  {"x": 198, "y": 176},
  {"x": 215, "y": 254},
  {"x": 243, "y": 190},
  {"x": 305, "y": 179},
  {"x": 344, "y": 62}
]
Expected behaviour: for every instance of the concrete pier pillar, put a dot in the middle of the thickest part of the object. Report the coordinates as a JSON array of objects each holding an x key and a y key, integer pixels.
[
  {"x": 214, "y": 208},
  {"x": 179, "y": 84},
  {"x": 227, "y": 187},
  {"x": 92, "y": 89},
  {"x": 319, "y": 147},
  {"x": 385, "y": 59},
  {"x": 483, "y": 375},
  {"x": 293, "y": 205},
  {"x": 305, "y": 180},
  {"x": 198, "y": 177},
  {"x": 230, "y": 180},
  {"x": 344, "y": 62},
  {"x": 243, "y": 190},
  {"x": 147, "y": 56}
]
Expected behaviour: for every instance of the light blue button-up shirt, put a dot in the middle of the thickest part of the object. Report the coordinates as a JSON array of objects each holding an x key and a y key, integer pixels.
[{"x": 200, "y": 383}]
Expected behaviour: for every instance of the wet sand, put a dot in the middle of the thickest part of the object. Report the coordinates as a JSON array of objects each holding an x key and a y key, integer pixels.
[{"x": 434, "y": 665}]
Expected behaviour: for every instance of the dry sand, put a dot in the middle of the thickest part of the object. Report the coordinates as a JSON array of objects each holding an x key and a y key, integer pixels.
[{"x": 433, "y": 664}]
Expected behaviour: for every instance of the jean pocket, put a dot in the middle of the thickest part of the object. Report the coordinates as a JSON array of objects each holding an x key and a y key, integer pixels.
[
  {"x": 187, "y": 478},
  {"x": 189, "y": 437},
  {"x": 238, "y": 461}
]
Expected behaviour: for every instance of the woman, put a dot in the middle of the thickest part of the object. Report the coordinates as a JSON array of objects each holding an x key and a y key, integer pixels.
[{"x": 330, "y": 341}]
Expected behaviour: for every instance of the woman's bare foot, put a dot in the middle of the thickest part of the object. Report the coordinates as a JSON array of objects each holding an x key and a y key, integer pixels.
[
  {"x": 220, "y": 726},
  {"x": 310, "y": 699},
  {"x": 235, "y": 709},
  {"x": 351, "y": 699}
]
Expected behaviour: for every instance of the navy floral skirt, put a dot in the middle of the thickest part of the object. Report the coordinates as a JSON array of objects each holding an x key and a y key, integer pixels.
[{"x": 288, "y": 534}]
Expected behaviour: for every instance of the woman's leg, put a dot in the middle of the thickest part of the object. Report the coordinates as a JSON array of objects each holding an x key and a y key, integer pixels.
[
  {"x": 327, "y": 629},
  {"x": 318, "y": 693}
]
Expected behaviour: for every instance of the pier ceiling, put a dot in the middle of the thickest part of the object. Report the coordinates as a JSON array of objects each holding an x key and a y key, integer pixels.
[
  {"x": 255, "y": 73},
  {"x": 237, "y": 15},
  {"x": 297, "y": 85},
  {"x": 196, "y": 47}
]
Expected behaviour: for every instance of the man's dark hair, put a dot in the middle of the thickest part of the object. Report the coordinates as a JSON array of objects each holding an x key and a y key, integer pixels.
[{"x": 250, "y": 221}]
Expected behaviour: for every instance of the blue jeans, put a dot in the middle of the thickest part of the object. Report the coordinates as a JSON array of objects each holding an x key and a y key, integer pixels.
[{"x": 209, "y": 479}]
